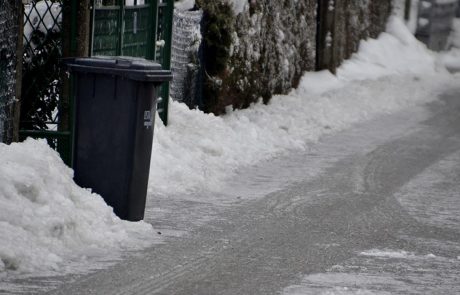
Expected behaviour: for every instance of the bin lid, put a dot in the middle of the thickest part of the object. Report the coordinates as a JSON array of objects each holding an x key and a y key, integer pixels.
[{"x": 138, "y": 69}]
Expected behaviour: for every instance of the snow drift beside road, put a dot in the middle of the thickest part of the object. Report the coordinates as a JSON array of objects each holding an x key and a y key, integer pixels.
[
  {"x": 46, "y": 220},
  {"x": 198, "y": 151}
]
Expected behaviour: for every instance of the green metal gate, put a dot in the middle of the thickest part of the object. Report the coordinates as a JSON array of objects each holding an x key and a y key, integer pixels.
[
  {"x": 141, "y": 29},
  {"x": 135, "y": 28}
]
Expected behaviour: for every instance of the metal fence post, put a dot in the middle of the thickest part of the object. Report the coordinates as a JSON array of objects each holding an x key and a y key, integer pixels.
[{"x": 167, "y": 23}]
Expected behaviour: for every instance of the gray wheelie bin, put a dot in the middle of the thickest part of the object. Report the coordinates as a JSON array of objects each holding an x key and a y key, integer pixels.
[{"x": 116, "y": 102}]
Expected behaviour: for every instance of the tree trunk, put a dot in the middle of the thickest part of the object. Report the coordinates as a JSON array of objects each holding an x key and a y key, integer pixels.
[{"x": 76, "y": 29}]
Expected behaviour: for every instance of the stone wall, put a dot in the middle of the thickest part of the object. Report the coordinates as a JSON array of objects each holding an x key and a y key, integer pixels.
[
  {"x": 9, "y": 32},
  {"x": 355, "y": 20},
  {"x": 275, "y": 41}
]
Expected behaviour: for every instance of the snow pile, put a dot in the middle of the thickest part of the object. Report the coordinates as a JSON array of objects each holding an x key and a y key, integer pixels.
[
  {"x": 199, "y": 151},
  {"x": 49, "y": 221},
  {"x": 451, "y": 58},
  {"x": 46, "y": 220},
  {"x": 399, "y": 10},
  {"x": 396, "y": 51}
]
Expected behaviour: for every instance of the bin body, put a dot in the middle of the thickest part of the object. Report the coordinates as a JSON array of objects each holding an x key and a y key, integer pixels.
[{"x": 114, "y": 122}]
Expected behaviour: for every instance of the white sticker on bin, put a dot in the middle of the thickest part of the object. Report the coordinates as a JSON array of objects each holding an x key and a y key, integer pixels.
[{"x": 148, "y": 119}]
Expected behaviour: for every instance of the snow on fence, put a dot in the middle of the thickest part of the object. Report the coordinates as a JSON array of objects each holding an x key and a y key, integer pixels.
[
  {"x": 185, "y": 57},
  {"x": 8, "y": 44}
]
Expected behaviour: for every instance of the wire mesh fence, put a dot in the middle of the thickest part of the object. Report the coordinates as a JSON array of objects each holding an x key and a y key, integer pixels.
[
  {"x": 185, "y": 61},
  {"x": 44, "y": 111},
  {"x": 41, "y": 70}
]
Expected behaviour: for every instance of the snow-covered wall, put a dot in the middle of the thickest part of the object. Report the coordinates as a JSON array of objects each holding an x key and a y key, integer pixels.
[
  {"x": 8, "y": 44},
  {"x": 355, "y": 20},
  {"x": 272, "y": 42}
]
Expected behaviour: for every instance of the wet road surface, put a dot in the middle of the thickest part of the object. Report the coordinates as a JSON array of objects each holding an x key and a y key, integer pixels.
[{"x": 370, "y": 210}]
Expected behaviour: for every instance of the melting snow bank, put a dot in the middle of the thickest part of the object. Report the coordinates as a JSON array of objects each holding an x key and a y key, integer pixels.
[
  {"x": 199, "y": 151},
  {"x": 46, "y": 220}
]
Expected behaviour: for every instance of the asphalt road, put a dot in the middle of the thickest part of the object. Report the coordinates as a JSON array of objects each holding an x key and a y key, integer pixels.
[{"x": 371, "y": 210}]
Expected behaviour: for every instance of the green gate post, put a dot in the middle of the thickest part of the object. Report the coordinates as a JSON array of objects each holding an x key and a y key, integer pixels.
[{"x": 167, "y": 23}]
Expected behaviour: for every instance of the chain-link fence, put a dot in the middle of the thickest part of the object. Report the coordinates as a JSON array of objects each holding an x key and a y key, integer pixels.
[
  {"x": 41, "y": 71},
  {"x": 8, "y": 44},
  {"x": 185, "y": 59},
  {"x": 44, "y": 111}
]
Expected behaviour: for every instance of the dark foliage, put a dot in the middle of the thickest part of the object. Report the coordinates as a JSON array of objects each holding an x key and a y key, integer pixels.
[
  {"x": 218, "y": 29},
  {"x": 41, "y": 80}
]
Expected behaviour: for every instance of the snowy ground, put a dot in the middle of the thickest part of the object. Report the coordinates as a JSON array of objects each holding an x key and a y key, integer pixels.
[
  {"x": 432, "y": 199},
  {"x": 199, "y": 151},
  {"x": 54, "y": 227}
]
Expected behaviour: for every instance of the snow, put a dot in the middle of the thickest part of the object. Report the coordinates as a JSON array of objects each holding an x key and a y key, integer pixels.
[
  {"x": 339, "y": 284},
  {"x": 184, "y": 5},
  {"x": 50, "y": 222},
  {"x": 394, "y": 254},
  {"x": 199, "y": 151},
  {"x": 46, "y": 220},
  {"x": 238, "y": 6},
  {"x": 398, "y": 10}
]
